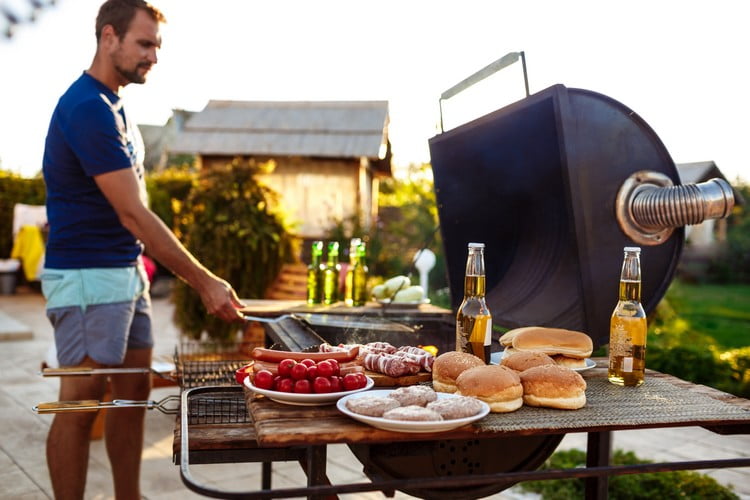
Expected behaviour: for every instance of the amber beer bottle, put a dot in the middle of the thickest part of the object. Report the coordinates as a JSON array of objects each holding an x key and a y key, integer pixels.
[
  {"x": 473, "y": 320},
  {"x": 315, "y": 274},
  {"x": 331, "y": 272},
  {"x": 627, "y": 331}
]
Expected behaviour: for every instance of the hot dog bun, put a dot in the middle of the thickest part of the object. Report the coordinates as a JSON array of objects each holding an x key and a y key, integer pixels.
[
  {"x": 553, "y": 386},
  {"x": 448, "y": 366},
  {"x": 498, "y": 386},
  {"x": 550, "y": 341}
]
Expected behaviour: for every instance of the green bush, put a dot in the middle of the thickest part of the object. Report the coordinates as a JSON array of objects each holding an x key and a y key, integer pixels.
[
  {"x": 16, "y": 189},
  {"x": 657, "y": 486},
  {"x": 167, "y": 190},
  {"x": 227, "y": 224},
  {"x": 674, "y": 347},
  {"x": 734, "y": 265}
]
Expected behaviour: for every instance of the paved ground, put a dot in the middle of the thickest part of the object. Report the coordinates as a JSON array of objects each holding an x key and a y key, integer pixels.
[{"x": 25, "y": 337}]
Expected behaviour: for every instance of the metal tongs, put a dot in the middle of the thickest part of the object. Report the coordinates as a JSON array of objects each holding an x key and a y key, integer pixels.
[
  {"x": 87, "y": 370},
  {"x": 170, "y": 405}
]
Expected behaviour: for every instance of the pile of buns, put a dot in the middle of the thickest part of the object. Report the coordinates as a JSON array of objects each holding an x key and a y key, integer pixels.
[
  {"x": 566, "y": 347},
  {"x": 523, "y": 377}
]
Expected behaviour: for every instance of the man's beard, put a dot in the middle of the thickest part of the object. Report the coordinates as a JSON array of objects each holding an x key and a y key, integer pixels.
[{"x": 133, "y": 76}]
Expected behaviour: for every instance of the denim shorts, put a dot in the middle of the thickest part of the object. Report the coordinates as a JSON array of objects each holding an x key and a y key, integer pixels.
[{"x": 86, "y": 326}]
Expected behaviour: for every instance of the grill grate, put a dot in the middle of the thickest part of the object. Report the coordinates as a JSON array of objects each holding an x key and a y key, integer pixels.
[
  {"x": 218, "y": 408},
  {"x": 202, "y": 364}
]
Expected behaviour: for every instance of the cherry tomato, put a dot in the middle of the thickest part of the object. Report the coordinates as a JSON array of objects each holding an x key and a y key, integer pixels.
[
  {"x": 312, "y": 372},
  {"x": 361, "y": 380},
  {"x": 276, "y": 380},
  {"x": 264, "y": 380},
  {"x": 336, "y": 384},
  {"x": 325, "y": 369},
  {"x": 335, "y": 365},
  {"x": 308, "y": 362},
  {"x": 321, "y": 385},
  {"x": 299, "y": 371},
  {"x": 285, "y": 367},
  {"x": 286, "y": 384},
  {"x": 350, "y": 382},
  {"x": 241, "y": 374},
  {"x": 302, "y": 386}
]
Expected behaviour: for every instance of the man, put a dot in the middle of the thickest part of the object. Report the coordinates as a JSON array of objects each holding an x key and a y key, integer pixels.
[{"x": 97, "y": 295}]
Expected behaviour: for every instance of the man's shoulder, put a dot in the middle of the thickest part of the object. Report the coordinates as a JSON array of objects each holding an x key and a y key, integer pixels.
[{"x": 86, "y": 93}]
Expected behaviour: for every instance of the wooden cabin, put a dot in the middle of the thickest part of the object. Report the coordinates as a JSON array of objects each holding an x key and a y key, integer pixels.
[{"x": 328, "y": 155}]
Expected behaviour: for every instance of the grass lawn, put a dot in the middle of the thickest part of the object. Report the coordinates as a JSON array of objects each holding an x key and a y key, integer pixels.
[{"x": 721, "y": 311}]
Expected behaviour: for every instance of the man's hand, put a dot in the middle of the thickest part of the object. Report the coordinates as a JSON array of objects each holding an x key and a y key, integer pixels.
[{"x": 220, "y": 299}]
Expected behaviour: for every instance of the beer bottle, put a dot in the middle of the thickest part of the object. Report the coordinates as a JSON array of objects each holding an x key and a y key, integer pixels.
[
  {"x": 331, "y": 272},
  {"x": 348, "y": 285},
  {"x": 473, "y": 320},
  {"x": 627, "y": 331},
  {"x": 315, "y": 275},
  {"x": 359, "y": 276}
]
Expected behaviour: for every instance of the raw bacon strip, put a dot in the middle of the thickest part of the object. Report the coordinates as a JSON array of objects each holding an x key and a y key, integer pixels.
[
  {"x": 380, "y": 347},
  {"x": 336, "y": 348},
  {"x": 426, "y": 357},
  {"x": 424, "y": 361},
  {"x": 388, "y": 364}
]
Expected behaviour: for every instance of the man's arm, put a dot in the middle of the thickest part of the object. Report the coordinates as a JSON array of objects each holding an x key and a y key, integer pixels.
[{"x": 121, "y": 189}]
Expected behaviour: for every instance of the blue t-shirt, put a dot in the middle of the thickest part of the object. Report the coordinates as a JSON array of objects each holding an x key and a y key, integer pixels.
[{"x": 89, "y": 134}]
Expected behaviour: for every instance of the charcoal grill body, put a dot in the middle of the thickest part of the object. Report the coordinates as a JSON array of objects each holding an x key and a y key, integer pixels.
[{"x": 537, "y": 182}]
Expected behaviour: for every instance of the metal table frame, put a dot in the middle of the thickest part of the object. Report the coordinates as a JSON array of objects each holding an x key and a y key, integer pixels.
[{"x": 313, "y": 459}]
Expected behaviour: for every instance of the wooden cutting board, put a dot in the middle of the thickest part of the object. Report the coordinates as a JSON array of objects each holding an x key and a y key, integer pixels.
[{"x": 386, "y": 381}]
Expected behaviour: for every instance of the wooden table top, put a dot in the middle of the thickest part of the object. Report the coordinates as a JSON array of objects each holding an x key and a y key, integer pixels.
[{"x": 663, "y": 401}]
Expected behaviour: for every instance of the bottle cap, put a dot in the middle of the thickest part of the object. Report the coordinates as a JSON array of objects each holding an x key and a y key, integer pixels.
[
  {"x": 632, "y": 249},
  {"x": 476, "y": 245}
]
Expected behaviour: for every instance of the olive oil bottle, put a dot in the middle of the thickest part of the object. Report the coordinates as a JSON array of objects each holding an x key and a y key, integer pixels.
[
  {"x": 627, "y": 331},
  {"x": 331, "y": 274},
  {"x": 315, "y": 275},
  {"x": 473, "y": 320}
]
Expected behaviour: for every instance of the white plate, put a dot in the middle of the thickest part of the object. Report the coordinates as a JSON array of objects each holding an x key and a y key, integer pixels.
[
  {"x": 412, "y": 304},
  {"x": 497, "y": 356},
  {"x": 408, "y": 426},
  {"x": 293, "y": 398}
]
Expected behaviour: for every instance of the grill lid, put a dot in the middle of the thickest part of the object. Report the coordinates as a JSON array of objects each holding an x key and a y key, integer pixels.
[{"x": 537, "y": 182}]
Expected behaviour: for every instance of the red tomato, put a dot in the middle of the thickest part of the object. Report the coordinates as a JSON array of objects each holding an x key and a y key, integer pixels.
[
  {"x": 361, "y": 380},
  {"x": 299, "y": 371},
  {"x": 241, "y": 374},
  {"x": 325, "y": 369},
  {"x": 285, "y": 385},
  {"x": 302, "y": 386},
  {"x": 312, "y": 372},
  {"x": 308, "y": 362},
  {"x": 285, "y": 367},
  {"x": 264, "y": 380},
  {"x": 336, "y": 384},
  {"x": 350, "y": 382},
  {"x": 321, "y": 385},
  {"x": 335, "y": 365},
  {"x": 276, "y": 380}
]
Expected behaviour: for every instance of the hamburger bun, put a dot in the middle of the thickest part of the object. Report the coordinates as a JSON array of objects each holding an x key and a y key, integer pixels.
[
  {"x": 448, "y": 366},
  {"x": 549, "y": 341},
  {"x": 521, "y": 360},
  {"x": 567, "y": 362},
  {"x": 498, "y": 386},
  {"x": 553, "y": 386}
]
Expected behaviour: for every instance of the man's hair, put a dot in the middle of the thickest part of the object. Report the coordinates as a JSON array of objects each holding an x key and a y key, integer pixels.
[{"x": 119, "y": 13}]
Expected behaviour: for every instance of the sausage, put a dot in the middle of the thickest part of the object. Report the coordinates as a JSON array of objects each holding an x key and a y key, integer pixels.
[{"x": 273, "y": 356}]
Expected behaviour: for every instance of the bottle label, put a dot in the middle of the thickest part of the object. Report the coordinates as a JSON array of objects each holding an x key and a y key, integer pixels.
[{"x": 627, "y": 364}]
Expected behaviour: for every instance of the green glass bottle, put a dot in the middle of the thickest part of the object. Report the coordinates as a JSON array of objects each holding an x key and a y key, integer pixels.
[
  {"x": 359, "y": 276},
  {"x": 315, "y": 274},
  {"x": 348, "y": 284},
  {"x": 331, "y": 272}
]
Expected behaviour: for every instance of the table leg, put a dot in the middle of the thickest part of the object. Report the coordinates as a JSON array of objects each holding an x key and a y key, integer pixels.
[
  {"x": 598, "y": 453},
  {"x": 315, "y": 466}
]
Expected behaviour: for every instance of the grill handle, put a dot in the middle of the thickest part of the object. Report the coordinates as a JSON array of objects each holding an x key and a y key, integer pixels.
[
  {"x": 170, "y": 405},
  {"x": 649, "y": 207}
]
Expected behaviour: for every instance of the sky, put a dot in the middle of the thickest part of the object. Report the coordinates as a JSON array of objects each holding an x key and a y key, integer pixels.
[{"x": 681, "y": 65}]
